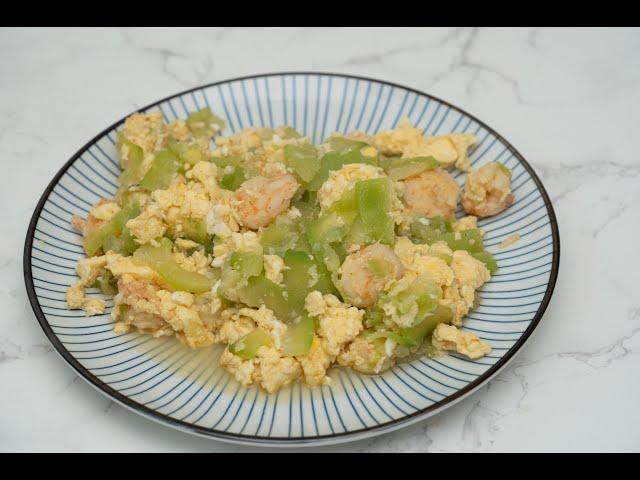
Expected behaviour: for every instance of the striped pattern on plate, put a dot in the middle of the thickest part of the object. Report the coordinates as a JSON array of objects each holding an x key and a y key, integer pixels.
[{"x": 185, "y": 389}]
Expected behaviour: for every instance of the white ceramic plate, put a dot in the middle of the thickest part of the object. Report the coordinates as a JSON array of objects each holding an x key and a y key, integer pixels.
[{"x": 185, "y": 389}]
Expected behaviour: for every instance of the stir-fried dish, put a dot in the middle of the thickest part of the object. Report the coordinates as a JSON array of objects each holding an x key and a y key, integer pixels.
[{"x": 293, "y": 256}]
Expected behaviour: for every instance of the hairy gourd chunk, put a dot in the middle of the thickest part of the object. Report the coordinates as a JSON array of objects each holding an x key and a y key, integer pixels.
[
  {"x": 247, "y": 347},
  {"x": 132, "y": 164},
  {"x": 204, "y": 123},
  {"x": 298, "y": 337},
  {"x": 401, "y": 168},
  {"x": 187, "y": 153},
  {"x": 335, "y": 160},
  {"x": 280, "y": 236},
  {"x": 303, "y": 160},
  {"x": 487, "y": 259},
  {"x": 230, "y": 173},
  {"x": 374, "y": 208},
  {"x": 262, "y": 291},
  {"x": 164, "y": 168},
  {"x": 113, "y": 235},
  {"x": 160, "y": 259}
]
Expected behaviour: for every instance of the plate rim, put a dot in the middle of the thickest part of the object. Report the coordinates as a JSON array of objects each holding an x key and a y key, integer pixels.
[{"x": 288, "y": 441}]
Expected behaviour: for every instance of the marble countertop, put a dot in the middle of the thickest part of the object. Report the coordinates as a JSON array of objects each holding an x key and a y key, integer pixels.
[{"x": 566, "y": 98}]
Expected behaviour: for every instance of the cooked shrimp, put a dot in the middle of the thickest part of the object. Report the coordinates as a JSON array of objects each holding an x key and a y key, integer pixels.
[
  {"x": 78, "y": 223},
  {"x": 365, "y": 357},
  {"x": 487, "y": 191},
  {"x": 260, "y": 200},
  {"x": 365, "y": 273},
  {"x": 98, "y": 216},
  {"x": 432, "y": 193},
  {"x": 146, "y": 322},
  {"x": 132, "y": 290}
]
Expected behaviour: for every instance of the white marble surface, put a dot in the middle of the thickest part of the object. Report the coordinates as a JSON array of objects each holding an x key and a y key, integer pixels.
[{"x": 567, "y": 99}]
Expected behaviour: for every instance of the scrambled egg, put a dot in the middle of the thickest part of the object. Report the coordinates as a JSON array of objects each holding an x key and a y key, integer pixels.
[
  {"x": 339, "y": 323},
  {"x": 419, "y": 258},
  {"x": 470, "y": 274},
  {"x": 448, "y": 337},
  {"x": 465, "y": 223},
  {"x": 148, "y": 131},
  {"x": 221, "y": 219},
  {"x": 174, "y": 309},
  {"x": 260, "y": 148},
  {"x": 205, "y": 173},
  {"x": 273, "y": 267},
  {"x": 366, "y": 357},
  {"x": 182, "y": 201},
  {"x": 234, "y": 329},
  {"x": 119, "y": 266},
  {"x": 88, "y": 270},
  {"x": 315, "y": 363},
  {"x": 105, "y": 210},
  {"x": 242, "y": 370},
  {"x": 409, "y": 142},
  {"x": 197, "y": 261},
  {"x": 269, "y": 369},
  {"x": 148, "y": 225}
]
